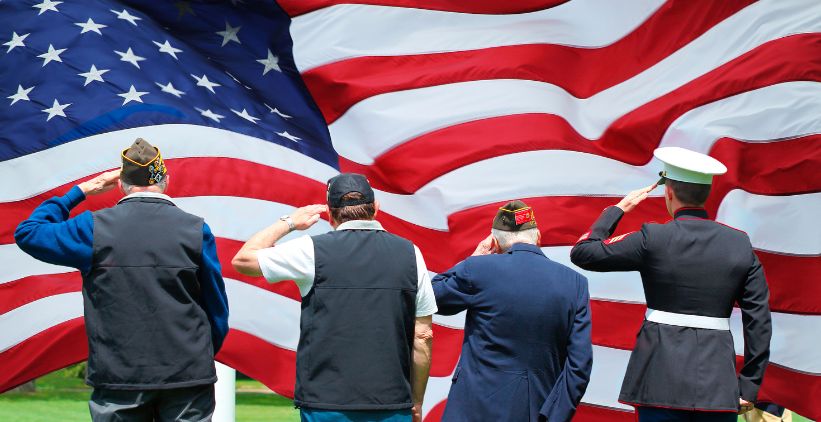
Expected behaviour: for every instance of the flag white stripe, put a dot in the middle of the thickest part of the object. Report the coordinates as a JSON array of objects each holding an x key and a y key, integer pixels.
[
  {"x": 775, "y": 223},
  {"x": 353, "y": 30},
  {"x": 386, "y": 121},
  {"x": 269, "y": 316},
  {"x": 21, "y": 323},
  {"x": 18, "y": 264}
]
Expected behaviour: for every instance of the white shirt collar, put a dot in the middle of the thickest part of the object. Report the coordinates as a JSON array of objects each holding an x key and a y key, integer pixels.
[
  {"x": 360, "y": 225},
  {"x": 147, "y": 195}
]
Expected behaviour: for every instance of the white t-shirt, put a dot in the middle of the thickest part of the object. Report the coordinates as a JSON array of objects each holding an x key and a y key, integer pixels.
[{"x": 294, "y": 260}]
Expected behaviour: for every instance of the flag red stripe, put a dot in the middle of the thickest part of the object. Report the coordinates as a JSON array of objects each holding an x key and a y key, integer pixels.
[
  {"x": 488, "y": 7},
  {"x": 44, "y": 352},
  {"x": 592, "y": 413},
  {"x": 447, "y": 344},
  {"x": 338, "y": 86},
  {"x": 630, "y": 139},
  {"x": 782, "y": 385},
  {"x": 14, "y": 294}
]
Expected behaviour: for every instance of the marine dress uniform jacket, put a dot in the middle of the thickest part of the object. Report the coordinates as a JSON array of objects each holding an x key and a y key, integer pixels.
[
  {"x": 527, "y": 347},
  {"x": 694, "y": 266}
]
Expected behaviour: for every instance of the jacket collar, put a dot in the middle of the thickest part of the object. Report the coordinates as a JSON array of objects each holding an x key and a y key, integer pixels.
[
  {"x": 691, "y": 212},
  {"x": 360, "y": 225},
  {"x": 525, "y": 247},
  {"x": 147, "y": 195}
]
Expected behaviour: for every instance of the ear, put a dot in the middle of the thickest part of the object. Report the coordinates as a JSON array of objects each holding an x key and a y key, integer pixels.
[
  {"x": 668, "y": 192},
  {"x": 539, "y": 239},
  {"x": 167, "y": 181},
  {"x": 120, "y": 186},
  {"x": 375, "y": 208}
]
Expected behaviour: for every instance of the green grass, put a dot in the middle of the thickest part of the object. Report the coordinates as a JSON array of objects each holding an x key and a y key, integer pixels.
[{"x": 62, "y": 396}]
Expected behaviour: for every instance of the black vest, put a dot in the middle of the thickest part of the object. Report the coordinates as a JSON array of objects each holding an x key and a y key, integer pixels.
[
  {"x": 144, "y": 320},
  {"x": 357, "y": 326}
]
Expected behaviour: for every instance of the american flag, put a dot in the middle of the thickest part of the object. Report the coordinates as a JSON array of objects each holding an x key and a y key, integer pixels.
[{"x": 450, "y": 108}]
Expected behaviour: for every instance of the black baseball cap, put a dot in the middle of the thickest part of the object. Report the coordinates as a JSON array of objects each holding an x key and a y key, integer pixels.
[{"x": 346, "y": 183}]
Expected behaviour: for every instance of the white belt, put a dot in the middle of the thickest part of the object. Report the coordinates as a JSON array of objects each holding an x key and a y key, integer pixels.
[{"x": 684, "y": 320}]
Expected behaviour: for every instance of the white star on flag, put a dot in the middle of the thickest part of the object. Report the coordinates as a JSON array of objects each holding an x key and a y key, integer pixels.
[
  {"x": 230, "y": 34},
  {"x": 90, "y": 26},
  {"x": 204, "y": 82},
  {"x": 93, "y": 74},
  {"x": 16, "y": 41},
  {"x": 277, "y": 112},
  {"x": 167, "y": 48},
  {"x": 210, "y": 114},
  {"x": 170, "y": 89},
  {"x": 51, "y": 55},
  {"x": 124, "y": 15},
  {"x": 244, "y": 114},
  {"x": 130, "y": 57},
  {"x": 288, "y": 136},
  {"x": 21, "y": 95},
  {"x": 46, "y": 5},
  {"x": 56, "y": 109},
  {"x": 132, "y": 95},
  {"x": 270, "y": 62}
]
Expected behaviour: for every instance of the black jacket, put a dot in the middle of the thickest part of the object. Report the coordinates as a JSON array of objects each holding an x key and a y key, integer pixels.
[{"x": 691, "y": 265}]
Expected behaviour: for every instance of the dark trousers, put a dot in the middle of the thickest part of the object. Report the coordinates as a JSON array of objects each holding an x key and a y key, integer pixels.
[
  {"x": 657, "y": 414},
  {"x": 191, "y": 404}
]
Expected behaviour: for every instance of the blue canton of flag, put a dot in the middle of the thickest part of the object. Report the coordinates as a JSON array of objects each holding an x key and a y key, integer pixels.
[{"x": 74, "y": 69}]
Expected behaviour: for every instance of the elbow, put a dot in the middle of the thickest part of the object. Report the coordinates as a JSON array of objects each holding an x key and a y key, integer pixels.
[{"x": 243, "y": 264}]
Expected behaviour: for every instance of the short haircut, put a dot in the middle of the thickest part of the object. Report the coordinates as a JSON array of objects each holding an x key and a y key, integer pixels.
[
  {"x": 353, "y": 212},
  {"x": 690, "y": 193},
  {"x": 506, "y": 239},
  {"x": 163, "y": 185}
]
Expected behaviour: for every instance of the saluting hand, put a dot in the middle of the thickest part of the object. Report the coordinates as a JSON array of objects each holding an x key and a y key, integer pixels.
[
  {"x": 102, "y": 183},
  {"x": 634, "y": 198},
  {"x": 307, "y": 216},
  {"x": 486, "y": 247}
]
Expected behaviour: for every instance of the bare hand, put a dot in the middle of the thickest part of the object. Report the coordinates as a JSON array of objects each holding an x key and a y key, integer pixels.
[
  {"x": 486, "y": 247},
  {"x": 102, "y": 183},
  {"x": 744, "y": 406},
  {"x": 417, "y": 412},
  {"x": 307, "y": 216},
  {"x": 634, "y": 198}
]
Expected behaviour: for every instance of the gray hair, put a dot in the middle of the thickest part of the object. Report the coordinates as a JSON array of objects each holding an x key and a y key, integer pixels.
[
  {"x": 162, "y": 186},
  {"x": 506, "y": 239}
]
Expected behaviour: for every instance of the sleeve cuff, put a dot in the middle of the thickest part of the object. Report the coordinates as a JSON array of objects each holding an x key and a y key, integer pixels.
[{"x": 74, "y": 197}]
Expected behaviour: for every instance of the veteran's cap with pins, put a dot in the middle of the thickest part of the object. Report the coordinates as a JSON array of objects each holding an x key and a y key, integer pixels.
[
  {"x": 142, "y": 164},
  {"x": 688, "y": 166},
  {"x": 514, "y": 216}
]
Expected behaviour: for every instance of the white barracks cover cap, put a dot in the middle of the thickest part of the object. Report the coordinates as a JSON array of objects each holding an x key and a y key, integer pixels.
[{"x": 688, "y": 166}]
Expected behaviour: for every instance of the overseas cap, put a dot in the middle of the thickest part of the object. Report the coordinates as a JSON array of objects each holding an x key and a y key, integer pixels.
[
  {"x": 142, "y": 164},
  {"x": 514, "y": 216},
  {"x": 346, "y": 183},
  {"x": 684, "y": 165}
]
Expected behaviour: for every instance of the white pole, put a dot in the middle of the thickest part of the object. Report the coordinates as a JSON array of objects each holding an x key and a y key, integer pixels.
[{"x": 225, "y": 394}]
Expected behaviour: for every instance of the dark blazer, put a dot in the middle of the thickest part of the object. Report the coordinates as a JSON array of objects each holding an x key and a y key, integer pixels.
[
  {"x": 527, "y": 348},
  {"x": 695, "y": 266}
]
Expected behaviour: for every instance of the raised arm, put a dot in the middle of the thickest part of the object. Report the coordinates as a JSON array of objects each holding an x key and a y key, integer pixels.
[
  {"x": 246, "y": 260},
  {"x": 595, "y": 252},
  {"x": 50, "y": 236}
]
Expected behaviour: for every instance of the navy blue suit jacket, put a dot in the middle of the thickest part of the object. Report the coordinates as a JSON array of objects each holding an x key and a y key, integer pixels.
[{"x": 527, "y": 348}]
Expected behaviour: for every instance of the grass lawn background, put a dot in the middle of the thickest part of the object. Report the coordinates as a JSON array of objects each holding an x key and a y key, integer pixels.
[{"x": 62, "y": 396}]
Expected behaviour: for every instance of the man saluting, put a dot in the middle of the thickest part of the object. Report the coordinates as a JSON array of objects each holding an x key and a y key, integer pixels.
[{"x": 693, "y": 271}]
